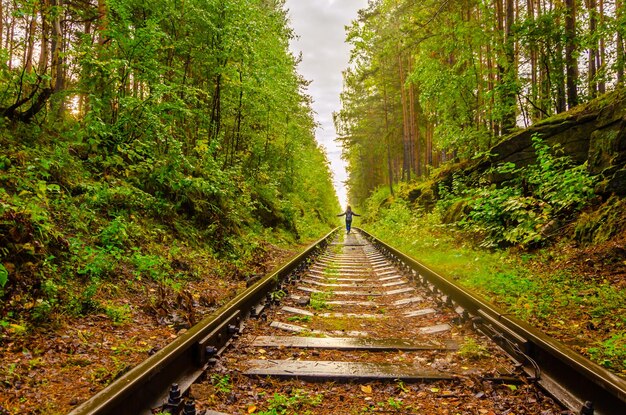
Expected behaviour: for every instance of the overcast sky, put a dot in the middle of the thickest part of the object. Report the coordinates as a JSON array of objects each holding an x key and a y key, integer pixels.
[{"x": 320, "y": 26}]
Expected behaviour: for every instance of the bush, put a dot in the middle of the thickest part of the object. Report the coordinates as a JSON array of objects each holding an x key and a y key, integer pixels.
[{"x": 525, "y": 209}]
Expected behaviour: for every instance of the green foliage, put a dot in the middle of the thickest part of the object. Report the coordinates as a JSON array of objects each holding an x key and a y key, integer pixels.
[
  {"x": 221, "y": 383},
  {"x": 4, "y": 277},
  {"x": 611, "y": 353},
  {"x": 96, "y": 263},
  {"x": 118, "y": 314},
  {"x": 297, "y": 400},
  {"x": 300, "y": 319},
  {"x": 183, "y": 126},
  {"x": 527, "y": 206},
  {"x": 472, "y": 350},
  {"x": 319, "y": 301},
  {"x": 542, "y": 298},
  {"x": 152, "y": 266}
]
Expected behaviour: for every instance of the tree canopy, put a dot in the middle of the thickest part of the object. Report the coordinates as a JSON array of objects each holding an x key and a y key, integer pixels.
[
  {"x": 433, "y": 81},
  {"x": 194, "y": 101}
]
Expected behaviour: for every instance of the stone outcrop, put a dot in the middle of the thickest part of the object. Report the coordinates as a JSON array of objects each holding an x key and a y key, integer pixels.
[{"x": 594, "y": 133}]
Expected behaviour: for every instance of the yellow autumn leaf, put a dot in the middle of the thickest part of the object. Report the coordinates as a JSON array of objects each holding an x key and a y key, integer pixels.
[
  {"x": 251, "y": 409},
  {"x": 434, "y": 390},
  {"x": 366, "y": 389}
]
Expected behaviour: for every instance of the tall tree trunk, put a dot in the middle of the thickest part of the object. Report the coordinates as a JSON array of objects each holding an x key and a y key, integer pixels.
[
  {"x": 619, "y": 42},
  {"x": 387, "y": 133},
  {"x": 593, "y": 49},
  {"x": 45, "y": 38},
  {"x": 571, "y": 63},
  {"x": 1, "y": 21},
  {"x": 216, "y": 109},
  {"x": 30, "y": 42},
  {"x": 414, "y": 144},
  {"x": 534, "y": 82},
  {"x": 499, "y": 41},
  {"x": 57, "y": 57},
  {"x": 406, "y": 131},
  {"x": 602, "y": 54},
  {"x": 510, "y": 74},
  {"x": 102, "y": 21},
  {"x": 10, "y": 44}
]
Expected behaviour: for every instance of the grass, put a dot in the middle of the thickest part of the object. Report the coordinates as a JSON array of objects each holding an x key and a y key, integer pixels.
[
  {"x": 297, "y": 402},
  {"x": 589, "y": 315},
  {"x": 470, "y": 349},
  {"x": 319, "y": 301}
]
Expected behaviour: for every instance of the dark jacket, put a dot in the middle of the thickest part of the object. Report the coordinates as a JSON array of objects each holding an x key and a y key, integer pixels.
[{"x": 349, "y": 215}]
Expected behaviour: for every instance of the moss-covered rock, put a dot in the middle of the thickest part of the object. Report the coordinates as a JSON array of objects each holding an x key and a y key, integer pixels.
[
  {"x": 455, "y": 212},
  {"x": 601, "y": 224}
]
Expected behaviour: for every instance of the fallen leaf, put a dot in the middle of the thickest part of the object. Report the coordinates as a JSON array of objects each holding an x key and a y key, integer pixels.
[
  {"x": 434, "y": 390},
  {"x": 366, "y": 389},
  {"x": 251, "y": 409},
  {"x": 512, "y": 387}
]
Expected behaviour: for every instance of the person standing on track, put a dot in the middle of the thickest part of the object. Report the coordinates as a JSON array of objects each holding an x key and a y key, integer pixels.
[{"x": 348, "y": 213}]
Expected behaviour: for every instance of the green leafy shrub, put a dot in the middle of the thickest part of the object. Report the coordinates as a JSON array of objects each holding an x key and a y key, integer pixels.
[
  {"x": 526, "y": 208},
  {"x": 152, "y": 266},
  {"x": 96, "y": 262},
  {"x": 118, "y": 314},
  {"x": 115, "y": 235},
  {"x": 612, "y": 352},
  {"x": 4, "y": 277}
]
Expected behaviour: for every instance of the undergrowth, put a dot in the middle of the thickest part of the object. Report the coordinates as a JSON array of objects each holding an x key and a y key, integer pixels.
[
  {"x": 559, "y": 302},
  {"x": 511, "y": 205},
  {"x": 586, "y": 314},
  {"x": 75, "y": 220}
]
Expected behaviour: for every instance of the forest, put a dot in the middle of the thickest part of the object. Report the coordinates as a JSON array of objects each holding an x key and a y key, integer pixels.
[
  {"x": 158, "y": 156},
  {"x": 436, "y": 81},
  {"x": 154, "y": 155},
  {"x": 487, "y": 139}
]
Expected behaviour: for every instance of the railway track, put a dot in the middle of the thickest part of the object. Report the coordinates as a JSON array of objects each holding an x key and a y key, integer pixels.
[{"x": 353, "y": 326}]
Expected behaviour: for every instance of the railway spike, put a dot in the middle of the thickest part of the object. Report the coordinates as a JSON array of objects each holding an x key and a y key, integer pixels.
[
  {"x": 587, "y": 408},
  {"x": 190, "y": 407},
  {"x": 174, "y": 399}
]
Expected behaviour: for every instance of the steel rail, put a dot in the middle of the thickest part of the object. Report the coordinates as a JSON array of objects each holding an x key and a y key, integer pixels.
[
  {"x": 566, "y": 375},
  {"x": 181, "y": 362}
]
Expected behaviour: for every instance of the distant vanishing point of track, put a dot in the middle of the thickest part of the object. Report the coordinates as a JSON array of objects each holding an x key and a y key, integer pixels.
[{"x": 353, "y": 326}]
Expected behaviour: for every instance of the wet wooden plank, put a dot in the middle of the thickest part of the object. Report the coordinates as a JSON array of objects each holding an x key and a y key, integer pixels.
[
  {"x": 360, "y": 293},
  {"x": 295, "y": 310},
  {"x": 337, "y": 273},
  {"x": 350, "y": 315},
  {"x": 321, "y": 278},
  {"x": 400, "y": 291},
  {"x": 390, "y": 278},
  {"x": 351, "y": 343},
  {"x": 308, "y": 290},
  {"x": 420, "y": 313},
  {"x": 287, "y": 327},
  {"x": 338, "y": 285},
  {"x": 359, "y": 303},
  {"x": 394, "y": 283},
  {"x": 353, "y": 293},
  {"x": 342, "y": 371},
  {"x": 439, "y": 328},
  {"x": 406, "y": 301}
]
